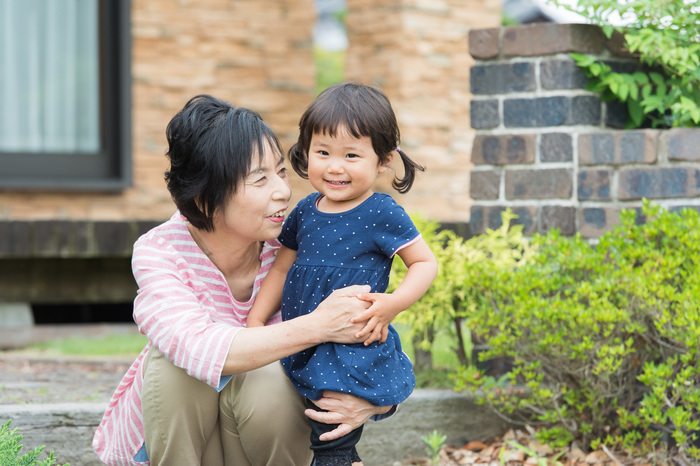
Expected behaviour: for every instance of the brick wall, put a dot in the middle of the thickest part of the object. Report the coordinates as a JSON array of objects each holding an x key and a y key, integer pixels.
[
  {"x": 254, "y": 53},
  {"x": 551, "y": 150},
  {"x": 417, "y": 52}
]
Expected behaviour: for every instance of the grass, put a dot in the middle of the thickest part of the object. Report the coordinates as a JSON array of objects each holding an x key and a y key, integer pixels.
[
  {"x": 444, "y": 358},
  {"x": 111, "y": 345}
]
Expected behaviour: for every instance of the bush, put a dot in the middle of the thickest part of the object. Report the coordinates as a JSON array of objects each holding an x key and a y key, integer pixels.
[
  {"x": 10, "y": 448},
  {"x": 665, "y": 36},
  {"x": 604, "y": 339},
  {"x": 458, "y": 287}
]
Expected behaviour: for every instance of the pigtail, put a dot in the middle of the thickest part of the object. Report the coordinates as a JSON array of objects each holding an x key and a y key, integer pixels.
[
  {"x": 298, "y": 159},
  {"x": 403, "y": 185}
]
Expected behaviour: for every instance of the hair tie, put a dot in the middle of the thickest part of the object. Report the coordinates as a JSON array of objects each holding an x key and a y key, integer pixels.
[{"x": 397, "y": 148}]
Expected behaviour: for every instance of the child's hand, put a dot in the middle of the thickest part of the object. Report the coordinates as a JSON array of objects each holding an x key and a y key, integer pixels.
[{"x": 378, "y": 317}]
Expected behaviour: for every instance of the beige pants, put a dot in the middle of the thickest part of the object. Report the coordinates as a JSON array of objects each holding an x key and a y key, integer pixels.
[{"x": 257, "y": 419}]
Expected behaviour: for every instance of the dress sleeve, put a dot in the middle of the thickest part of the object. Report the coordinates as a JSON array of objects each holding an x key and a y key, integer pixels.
[
  {"x": 393, "y": 228},
  {"x": 288, "y": 237},
  {"x": 167, "y": 310}
]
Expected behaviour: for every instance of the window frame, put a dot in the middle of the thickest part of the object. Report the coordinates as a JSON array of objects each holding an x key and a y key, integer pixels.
[{"x": 109, "y": 169}]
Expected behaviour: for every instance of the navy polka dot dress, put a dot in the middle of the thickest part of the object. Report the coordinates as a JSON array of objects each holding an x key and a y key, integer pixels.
[{"x": 333, "y": 251}]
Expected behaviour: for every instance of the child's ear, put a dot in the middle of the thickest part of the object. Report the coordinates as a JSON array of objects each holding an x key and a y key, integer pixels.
[{"x": 383, "y": 166}]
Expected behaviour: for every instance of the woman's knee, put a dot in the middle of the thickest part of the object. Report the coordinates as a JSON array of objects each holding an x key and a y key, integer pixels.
[{"x": 264, "y": 399}]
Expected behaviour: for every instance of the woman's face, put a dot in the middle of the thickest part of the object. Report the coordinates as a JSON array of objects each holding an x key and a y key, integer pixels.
[{"x": 257, "y": 209}]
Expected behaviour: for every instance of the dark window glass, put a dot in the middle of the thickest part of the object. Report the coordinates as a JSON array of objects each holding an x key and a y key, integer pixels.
[{"x": 65, "y": 93}]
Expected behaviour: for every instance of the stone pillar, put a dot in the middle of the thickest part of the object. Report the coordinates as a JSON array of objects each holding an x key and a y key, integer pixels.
[
  {"x": 551, "y": 150},
  {"x": 416, "y": 51}
]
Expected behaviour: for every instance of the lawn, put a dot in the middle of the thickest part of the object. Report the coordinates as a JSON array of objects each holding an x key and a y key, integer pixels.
[{"x": 444, "y": 358}]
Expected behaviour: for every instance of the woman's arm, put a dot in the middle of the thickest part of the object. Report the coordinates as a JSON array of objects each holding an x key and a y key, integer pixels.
[
  {"x": 270, "y": 295},
  {"x": 331, "y": 321}
]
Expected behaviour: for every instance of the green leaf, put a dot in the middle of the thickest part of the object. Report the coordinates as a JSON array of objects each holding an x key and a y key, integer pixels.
[{"x": 635, "y": 112}]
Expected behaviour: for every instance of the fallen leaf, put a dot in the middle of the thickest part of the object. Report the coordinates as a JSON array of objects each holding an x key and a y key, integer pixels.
[
  {"x": 474, "y": 445},
  {"x": 596, "y": 457}
]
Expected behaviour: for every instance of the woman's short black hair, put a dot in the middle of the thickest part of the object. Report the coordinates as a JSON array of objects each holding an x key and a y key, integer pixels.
[
  {"x": 364, "y": 111},
  {"x": 211, "y": 144}
]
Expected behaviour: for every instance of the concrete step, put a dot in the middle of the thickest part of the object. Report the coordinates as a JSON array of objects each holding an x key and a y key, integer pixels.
[{"x": 67, "y": 428}]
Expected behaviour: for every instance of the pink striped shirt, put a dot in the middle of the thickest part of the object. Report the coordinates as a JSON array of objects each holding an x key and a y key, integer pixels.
[{"x": 185, "y": 308}]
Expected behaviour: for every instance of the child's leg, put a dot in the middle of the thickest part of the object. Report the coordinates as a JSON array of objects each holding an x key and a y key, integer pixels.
[{"x": 338, "y": 452}]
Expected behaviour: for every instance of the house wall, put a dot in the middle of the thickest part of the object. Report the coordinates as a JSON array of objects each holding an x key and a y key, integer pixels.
[
  {"x": 553, "y": 152},
  {"x": 258, "y": 54}
]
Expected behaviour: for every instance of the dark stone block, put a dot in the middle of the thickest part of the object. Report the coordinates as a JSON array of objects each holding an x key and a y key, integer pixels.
[
  {"x": 476, "y": 219},
  {"x": 556, "y": 147},
  {"x": 484, "y": 114},
  {"x": 462, "y": 229},
  {"x": 659, "y": 183},
  {"x": 632, "y": 147},
  {"x": 594, "y": 185},
  {"x": 484, "y": 184},
  {"x": 684, "y": 144},
  {"x": 502, "y": 78},
  {"x": 595, "y": 217},
  {"x": 562, "y": 218},
  {"x": 539, "y": 112},
  {"x": 503, "y": 149},
  {"x": 556, "y": 183},
  {"x": 561, "y": 74},
  {"x": 585, "y": 110},
  {"x": 602, "y": 148}
]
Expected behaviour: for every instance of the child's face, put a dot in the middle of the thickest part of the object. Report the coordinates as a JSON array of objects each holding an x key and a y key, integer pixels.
[{"x": 343, "y": 168}]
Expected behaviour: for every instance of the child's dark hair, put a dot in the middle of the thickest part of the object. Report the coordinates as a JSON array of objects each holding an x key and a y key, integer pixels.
[
  {"x": 364, "y": 111},
  {"x": 211, "y": 145}
]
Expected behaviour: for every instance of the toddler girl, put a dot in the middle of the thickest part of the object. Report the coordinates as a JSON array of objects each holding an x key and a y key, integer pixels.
[{"x": 346, "y": 234}]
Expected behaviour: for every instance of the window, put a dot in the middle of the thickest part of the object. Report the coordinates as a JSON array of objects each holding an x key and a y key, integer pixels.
[{"x": 65, "y": 93}]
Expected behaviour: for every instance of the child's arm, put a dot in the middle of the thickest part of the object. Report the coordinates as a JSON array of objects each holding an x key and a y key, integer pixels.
[
  {"x": 422, "y": 270},
  {"x": 270, "y": 294}
]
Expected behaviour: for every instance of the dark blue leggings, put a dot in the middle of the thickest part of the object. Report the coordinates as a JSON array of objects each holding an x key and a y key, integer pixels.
[{"x": 338, "y": 452}]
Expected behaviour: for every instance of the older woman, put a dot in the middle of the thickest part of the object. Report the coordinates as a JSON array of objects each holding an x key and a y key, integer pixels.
[{"x": 205, "y": 389}]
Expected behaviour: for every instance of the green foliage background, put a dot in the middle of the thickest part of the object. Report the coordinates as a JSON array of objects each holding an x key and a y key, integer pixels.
[{"x": 665, "y": 36}]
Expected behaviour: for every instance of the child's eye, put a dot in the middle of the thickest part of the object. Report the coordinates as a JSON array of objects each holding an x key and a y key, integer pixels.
[
  {"x": 323, "y": 152},
  {"x": 352, "y": 156}
]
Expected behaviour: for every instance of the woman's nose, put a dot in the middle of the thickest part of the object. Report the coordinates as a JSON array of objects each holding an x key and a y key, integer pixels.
[{"x": 283, "y": 188}]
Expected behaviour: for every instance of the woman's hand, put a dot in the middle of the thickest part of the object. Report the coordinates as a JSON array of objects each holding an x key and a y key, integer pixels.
[
  {"x": 335, "y": 314},
  {"x": 349, "y": 411}
]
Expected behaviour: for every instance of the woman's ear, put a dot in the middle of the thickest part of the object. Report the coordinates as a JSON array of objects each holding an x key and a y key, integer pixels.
[{"x": 383, "y": 166}]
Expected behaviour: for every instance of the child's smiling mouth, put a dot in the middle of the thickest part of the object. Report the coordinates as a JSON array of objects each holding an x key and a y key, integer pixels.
[{"x": 337, "y": 183}]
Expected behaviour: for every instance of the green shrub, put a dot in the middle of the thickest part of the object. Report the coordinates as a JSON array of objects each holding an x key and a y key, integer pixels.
[
  {"x": 664, "y": 36},
  {"x": 458, "y": 288},
  {"x": 604, "y": 339},
  {"x": 10, "y": 448}
]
